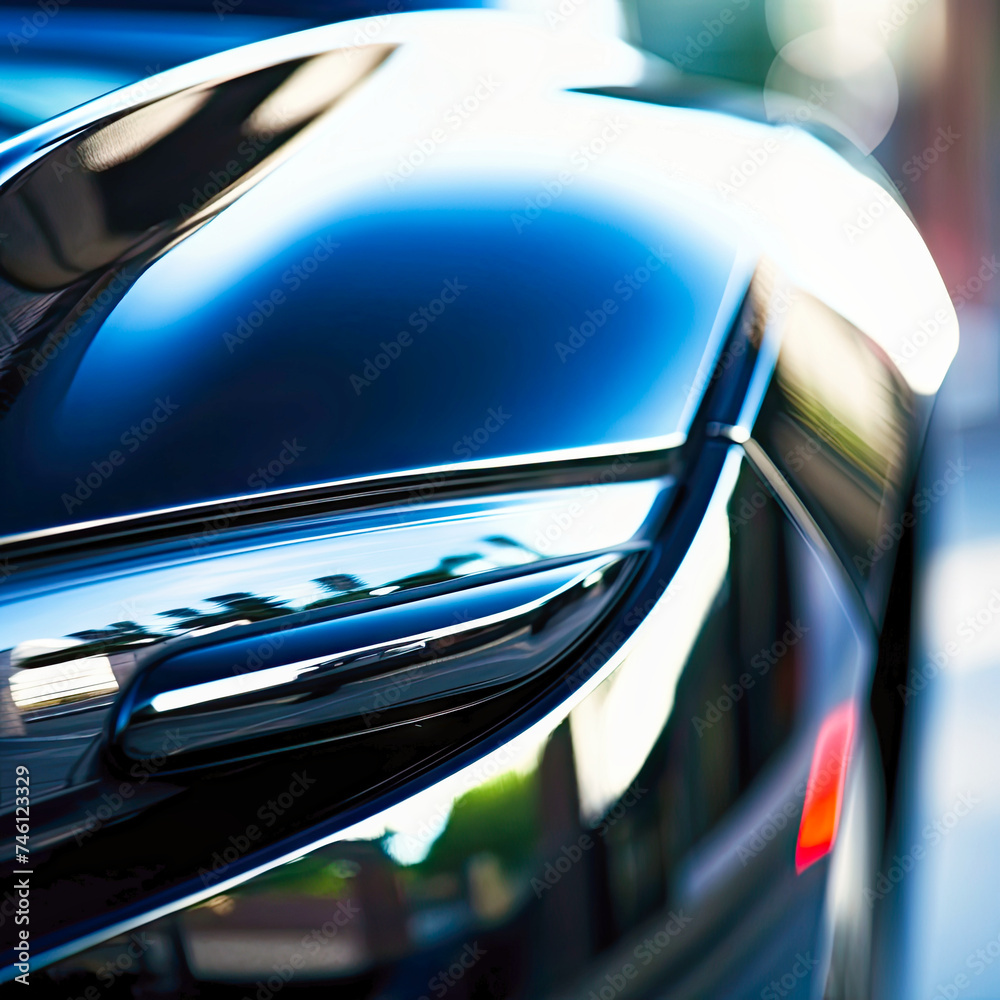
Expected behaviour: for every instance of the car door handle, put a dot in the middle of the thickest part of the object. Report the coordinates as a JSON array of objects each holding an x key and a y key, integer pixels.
[{"x": 361, "y": 671}]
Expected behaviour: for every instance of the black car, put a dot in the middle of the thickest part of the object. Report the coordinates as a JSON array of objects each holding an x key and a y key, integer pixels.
[{"x": 455, "y": 501}]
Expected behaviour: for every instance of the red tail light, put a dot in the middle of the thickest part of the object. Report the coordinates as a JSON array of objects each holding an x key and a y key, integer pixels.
[{"x": 825, "y": 789}]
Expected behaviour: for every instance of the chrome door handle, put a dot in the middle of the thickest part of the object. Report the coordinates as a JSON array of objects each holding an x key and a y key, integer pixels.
[{"x": 362, "y": 671}]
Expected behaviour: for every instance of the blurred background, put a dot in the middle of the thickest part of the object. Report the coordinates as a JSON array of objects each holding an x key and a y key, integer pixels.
[{"x": 905, "y": 87}]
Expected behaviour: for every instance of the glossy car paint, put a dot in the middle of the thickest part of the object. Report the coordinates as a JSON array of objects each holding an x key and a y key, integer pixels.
[{"x": 461, "y": 831}]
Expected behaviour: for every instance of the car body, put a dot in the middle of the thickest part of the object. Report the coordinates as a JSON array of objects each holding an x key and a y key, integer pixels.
[{"x": 452, "y": 499}]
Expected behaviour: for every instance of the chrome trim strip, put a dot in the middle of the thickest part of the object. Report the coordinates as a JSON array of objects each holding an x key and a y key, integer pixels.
[
  {"x": 645, "y": 446},
  {"x": 769, "y": 472},
  {"x": 777, "y": 483}
]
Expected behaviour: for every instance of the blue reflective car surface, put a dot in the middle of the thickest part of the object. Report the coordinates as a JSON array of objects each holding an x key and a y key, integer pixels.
[
  {"x": 438, "y": 509},
  {"x": 375, "y": 337}
]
